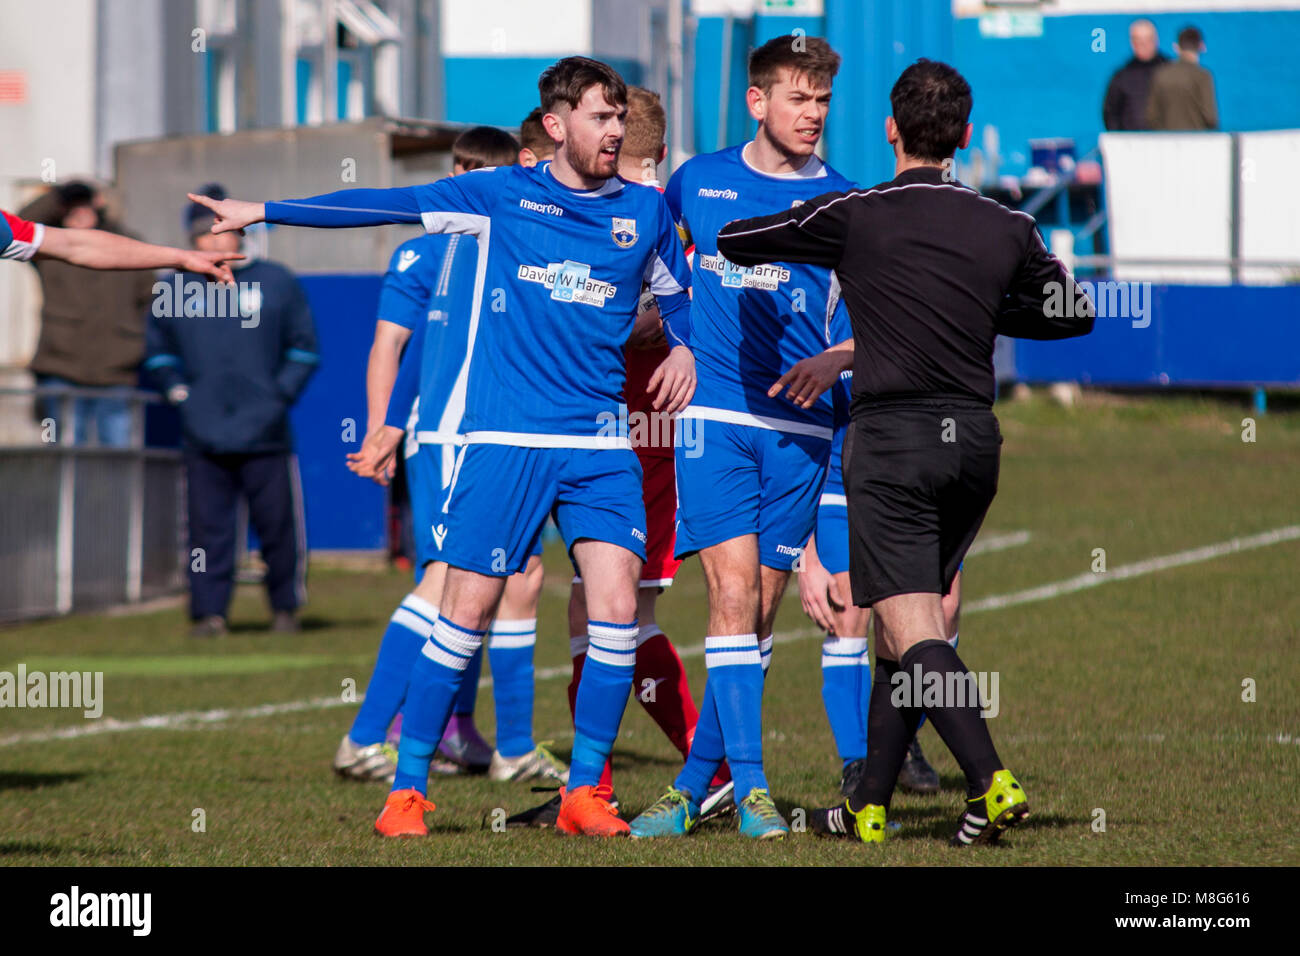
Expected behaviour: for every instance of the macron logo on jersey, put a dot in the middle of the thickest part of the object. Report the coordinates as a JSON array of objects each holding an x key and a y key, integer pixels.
[
  {"x": 570, "y": 281},
  {"x": 718, "y": 194},
  {"x": 407, "y": 259},
  {"x": 543, "y": 207}
]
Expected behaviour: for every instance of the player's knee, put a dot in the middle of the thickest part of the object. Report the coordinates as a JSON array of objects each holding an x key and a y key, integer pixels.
[{"x": 733, "y": 606}]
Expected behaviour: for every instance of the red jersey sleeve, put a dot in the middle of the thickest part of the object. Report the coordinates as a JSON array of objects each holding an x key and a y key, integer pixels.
[{"x": 19, "y": 239}]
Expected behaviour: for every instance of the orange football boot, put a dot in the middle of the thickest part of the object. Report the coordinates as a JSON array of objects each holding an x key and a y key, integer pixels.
[
  {"x": 587, "y": 811},
  {"x": 403, "y": 814}
]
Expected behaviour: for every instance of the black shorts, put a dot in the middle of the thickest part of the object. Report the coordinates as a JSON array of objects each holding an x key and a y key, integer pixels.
[{"x": 919, "y": 476}]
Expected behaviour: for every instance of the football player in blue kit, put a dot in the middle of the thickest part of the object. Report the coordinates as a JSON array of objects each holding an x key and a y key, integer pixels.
[
  {"x": 747, "y": 504},
  {"x": 420, "y": 345},
  {"x": 563, "y": 250}
]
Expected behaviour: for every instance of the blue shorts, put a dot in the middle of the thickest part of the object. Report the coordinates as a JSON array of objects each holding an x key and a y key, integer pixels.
[
  {"x": 424, "y": 482},
  {"x": 501, "y": 495},
  {"x": 425, "y": 471},
  {"x": 750, "y": 480}
]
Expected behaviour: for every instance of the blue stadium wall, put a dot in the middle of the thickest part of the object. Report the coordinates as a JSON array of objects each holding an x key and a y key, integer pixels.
[
  {"x": 344, "y": 512},
  {"x": 1045, "y": 85},
  {"x": 1052, "y": 85}
]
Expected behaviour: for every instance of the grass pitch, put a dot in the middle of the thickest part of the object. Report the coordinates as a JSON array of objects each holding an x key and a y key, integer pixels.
[{"x": 1120, "y": 704}]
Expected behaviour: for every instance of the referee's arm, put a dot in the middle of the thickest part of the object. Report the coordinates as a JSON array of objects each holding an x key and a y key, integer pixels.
[
  {"x": 1044, "y": 301},
  {"x": 813, "y": 232}
]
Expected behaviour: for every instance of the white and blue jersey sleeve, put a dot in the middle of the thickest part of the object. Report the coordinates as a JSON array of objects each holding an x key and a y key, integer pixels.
[
  {"x": 557, "y": 281},
  {"x": 749, "y": 325},
  {"x": 402, "y": 401}
]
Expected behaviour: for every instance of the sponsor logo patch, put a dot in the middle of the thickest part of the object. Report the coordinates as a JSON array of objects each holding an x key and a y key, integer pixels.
[
  {"x": 767, "y": 277},
  {"x": 569, "y": 281}
]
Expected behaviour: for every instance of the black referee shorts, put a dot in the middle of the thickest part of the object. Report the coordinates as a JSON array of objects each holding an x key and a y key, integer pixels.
[{"x": 919, "y": 476}]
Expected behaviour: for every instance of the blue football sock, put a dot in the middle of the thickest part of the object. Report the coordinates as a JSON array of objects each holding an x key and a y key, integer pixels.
[
  {"x": 467, "y": 697},
  {"x": 408, "y": 629},
  {"x": 602, "y": 697},
  {"x": 842, "y": 676},
  {"x": 707, "y": 750},
  {"x": 435, "y": 681},
  {"x": 735, "y": 667},
  {"x": 953, "y": 641},
  {"x": 510, "y": 651}
]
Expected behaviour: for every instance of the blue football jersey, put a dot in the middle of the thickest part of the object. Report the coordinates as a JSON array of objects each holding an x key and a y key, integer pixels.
[
  {"x": 558, "y": 277},
  {"x": 429, "y": 289},
  {"x": 750, "y": 325}
]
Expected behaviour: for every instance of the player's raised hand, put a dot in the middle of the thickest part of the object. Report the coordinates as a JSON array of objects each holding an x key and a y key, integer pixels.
[
  {"x": 810, "y": 377},
  {"x": 377, "y": 457},
  {"x": 211, "y": 264},
  {"x": 673, "y": 382},
  {"x": 232, "y": 214},
  {"x": 818, "y": 593}
]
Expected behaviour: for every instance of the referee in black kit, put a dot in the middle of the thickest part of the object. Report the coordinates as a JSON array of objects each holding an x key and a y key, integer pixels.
[{"x": 931, "y": 272}]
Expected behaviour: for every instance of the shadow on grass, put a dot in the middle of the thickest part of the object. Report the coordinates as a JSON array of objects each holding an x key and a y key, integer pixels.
[
  {"x": 946, "y": 825},
  {"x": 624, "y": 759},
  {"x": 36, "y": 781},
  {"x": 305, "y": 624}
]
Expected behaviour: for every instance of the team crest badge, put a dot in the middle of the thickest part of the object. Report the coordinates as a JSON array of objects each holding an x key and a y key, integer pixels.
[{"x": 624, "y": 233}]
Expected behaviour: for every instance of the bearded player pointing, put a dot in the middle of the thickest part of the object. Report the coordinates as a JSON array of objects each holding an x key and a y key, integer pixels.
[{"x": 563, "y": 251}]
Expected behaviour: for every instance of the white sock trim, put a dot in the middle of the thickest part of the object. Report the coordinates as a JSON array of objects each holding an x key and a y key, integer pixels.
[
  {"x": 506, "y": 635},
  {"x": 450, "y": 646},
  {"x": 420, "y": 606},
  {"x": 731, "y": 650},
  {"x": 612, "y": 644},
  {"x": 406, "y": 618}
]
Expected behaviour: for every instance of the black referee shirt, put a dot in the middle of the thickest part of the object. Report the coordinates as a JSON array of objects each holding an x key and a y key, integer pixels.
[{"x": 931, "y": 273}]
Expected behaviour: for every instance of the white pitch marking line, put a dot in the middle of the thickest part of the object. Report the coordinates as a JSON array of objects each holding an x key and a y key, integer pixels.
[
  {"x": 109, "y": 725},
  {"x": 998, "y": 542},
  {"x": 1081, "y": 582}
]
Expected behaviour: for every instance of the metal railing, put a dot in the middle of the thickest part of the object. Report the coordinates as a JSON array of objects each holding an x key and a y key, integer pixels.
[{"x": 85, "y": 526}]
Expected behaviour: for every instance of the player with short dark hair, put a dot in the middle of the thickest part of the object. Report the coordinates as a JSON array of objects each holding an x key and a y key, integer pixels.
[
  {"x": 424, "y": 311},
  {"x": 932, "y": 272},
  {"x": 747, "y": 495},
  {"x": 659, "y": 682},
  {"x": 563, "y": 251}
]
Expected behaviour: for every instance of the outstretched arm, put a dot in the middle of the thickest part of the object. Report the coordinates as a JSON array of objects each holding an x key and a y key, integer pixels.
[
  {"x": 456, "y": 204},
  {"x": 96, "y": 249},
  {"x": 813, "y": 232}
]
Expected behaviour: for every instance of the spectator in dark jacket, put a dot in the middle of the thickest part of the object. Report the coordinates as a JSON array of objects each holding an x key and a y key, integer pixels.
[
  {"x": 1125, "y": 106},
  {"x": 1182, "y": 92},
  {"x": 92, "y": 330},
  {"x": 233, "y": 360}
]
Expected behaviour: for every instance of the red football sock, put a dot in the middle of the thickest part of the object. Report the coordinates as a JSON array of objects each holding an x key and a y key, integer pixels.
[
  {"x": 606, "y": 775},
  {"x": 668, "y": 698}
]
